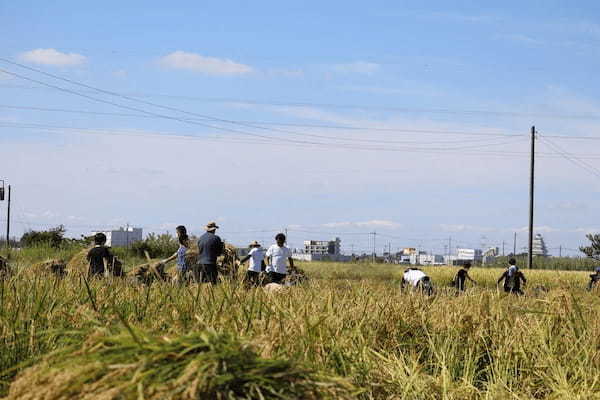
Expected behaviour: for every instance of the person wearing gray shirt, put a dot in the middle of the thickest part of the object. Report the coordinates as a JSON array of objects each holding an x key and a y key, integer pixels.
[{"x": 210, "y": 247}]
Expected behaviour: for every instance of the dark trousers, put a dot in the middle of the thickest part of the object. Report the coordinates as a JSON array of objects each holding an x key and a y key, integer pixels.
[
  {"x": 276, "y": 277},
  {"x": 206, "y": 273},
  {"x": 252, "y": 278}
]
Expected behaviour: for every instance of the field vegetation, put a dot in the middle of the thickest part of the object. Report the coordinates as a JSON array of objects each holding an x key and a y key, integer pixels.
[{"x": 347, "y": 333}]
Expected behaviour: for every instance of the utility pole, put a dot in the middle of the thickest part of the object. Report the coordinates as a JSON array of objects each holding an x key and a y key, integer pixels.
[
  {"x": 531, "y": 192},
  {"x": 503, "y": 248},
  {"x": 374, "y": 251},
  {"x": 8, "y": 226},
  {"x": 515, "y": 245},
  {"x": 560, "y": 250}
]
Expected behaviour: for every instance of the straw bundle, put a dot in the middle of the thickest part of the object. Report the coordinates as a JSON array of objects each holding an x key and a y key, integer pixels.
[
  {"x": 149, "y": 272},
  {"x": 202, "y": 365},
  {"x": 78, "y": 264},
  {"x": 54, "y": 266}
]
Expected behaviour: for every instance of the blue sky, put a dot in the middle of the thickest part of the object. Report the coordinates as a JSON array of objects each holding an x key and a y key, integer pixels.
[{"x": 339, "y": 118}]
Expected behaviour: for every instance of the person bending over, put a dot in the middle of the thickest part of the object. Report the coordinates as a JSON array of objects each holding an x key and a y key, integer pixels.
[{"x": 99, "y": 257}]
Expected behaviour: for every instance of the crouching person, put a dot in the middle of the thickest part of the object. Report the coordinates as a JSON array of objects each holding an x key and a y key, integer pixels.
[
  {"x": 594, "y": 279},
  {"x": 278, "y": 256},
  {"x": 99, "y": 257},
  {"x": 256, "y": 265},
  {"x": 418, "y": 280}
]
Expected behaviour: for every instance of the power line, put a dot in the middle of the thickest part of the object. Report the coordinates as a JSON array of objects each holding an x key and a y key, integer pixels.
[
  {"x": 356, "y": 106},
  {"x": 572, "y": 158},
  {"x": 348, "y": 127}
]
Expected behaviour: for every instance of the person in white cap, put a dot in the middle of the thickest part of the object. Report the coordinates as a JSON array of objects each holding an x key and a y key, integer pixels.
[
  {"x": 210, "y": 246},
  {"x": 257, "y": 263}
]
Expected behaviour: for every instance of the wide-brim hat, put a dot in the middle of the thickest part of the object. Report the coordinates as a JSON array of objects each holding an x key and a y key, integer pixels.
[
  {"x": 254, "y": 243},
  {"x": 211, "y": 226}
]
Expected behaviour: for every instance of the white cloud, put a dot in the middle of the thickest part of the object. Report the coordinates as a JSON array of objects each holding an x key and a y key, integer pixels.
[
  {"x": 520, "y": 38},
  {"x": 357, "y": 67},
  {"x": 375, "y": 223},
  {"x": 202, "y": 64},
  {"x": 466, "y": 228},
  {"x": 286, "y": 72},
  {"x": 538, "y": 229},
  {"x": 120, "y": 73},
  {"x": 53, "y": 57}
]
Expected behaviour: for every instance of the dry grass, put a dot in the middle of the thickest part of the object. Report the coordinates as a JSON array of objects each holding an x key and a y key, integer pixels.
[{"x": 350, "y": 321}]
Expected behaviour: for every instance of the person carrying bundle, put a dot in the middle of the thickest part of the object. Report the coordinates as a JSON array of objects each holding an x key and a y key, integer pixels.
[
  {"x": 461, "y": 277},
  {"x": 257, "y": 264},
  {"x": 417, "y": 279},
  {"x": 594, "y": 279},
  {"x": 99, "y": 257}
]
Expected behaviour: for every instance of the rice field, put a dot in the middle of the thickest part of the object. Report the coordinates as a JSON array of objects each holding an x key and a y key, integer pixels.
[{"x": 347, "y": 333}]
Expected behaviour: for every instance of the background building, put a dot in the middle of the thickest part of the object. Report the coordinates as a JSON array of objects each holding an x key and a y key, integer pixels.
[
  {"x": 539, "y": 246},
  {"x": 122, "y": 237},
  {"x": 322, "y": 247}
]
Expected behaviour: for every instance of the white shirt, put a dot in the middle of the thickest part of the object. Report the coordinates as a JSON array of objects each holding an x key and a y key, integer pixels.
[
  {"x": 279, "y": 256},
  {"x": 413, "y": 276},
  {"x": 257, "y": 255}
]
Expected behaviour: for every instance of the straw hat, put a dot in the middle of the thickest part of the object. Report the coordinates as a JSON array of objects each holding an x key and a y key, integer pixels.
[
  {"x": 254, "y": 244},
  {"x": 211, "y": 226}
]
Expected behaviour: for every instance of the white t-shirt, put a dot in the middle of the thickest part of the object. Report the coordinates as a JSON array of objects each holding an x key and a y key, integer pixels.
[
  {"x": 413, "y": 276},
  {"x": 279, "y": 256},
  {"x": 257, "y": 255}
]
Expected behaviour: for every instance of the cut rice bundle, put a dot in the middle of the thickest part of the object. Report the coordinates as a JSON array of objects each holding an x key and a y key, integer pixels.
[
  {"x": 57, "y": 267},
  {"x": 203, "y": 365}
]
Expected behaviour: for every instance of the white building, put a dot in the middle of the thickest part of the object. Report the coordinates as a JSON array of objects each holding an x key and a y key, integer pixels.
[
  {"x": 322, "y": 247},
  {"x": 426, "y": 259},
  {"x": 539, "y": 246},
  {"x": 122, "y": 237},
  {"x": 465, "y": 255}
]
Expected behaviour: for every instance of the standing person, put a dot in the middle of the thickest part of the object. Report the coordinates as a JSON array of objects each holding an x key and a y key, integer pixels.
[
  {"x": 417, "y": 279},
  {"x": 99, "y": 257},
  {"x": 182, "y": 268},
  {"x": 278, "y": 256},
  {"x": 461, "y": 277},
  {"x": 210, "y": 246},
  {"x": 257, "y": 263}
]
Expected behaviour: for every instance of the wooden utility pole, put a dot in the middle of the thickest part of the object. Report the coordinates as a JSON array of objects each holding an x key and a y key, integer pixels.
[
  {"x": 8, "y": 226},
  {"x": 515, "y": 245},
  {"x": 531, "y": 192}
]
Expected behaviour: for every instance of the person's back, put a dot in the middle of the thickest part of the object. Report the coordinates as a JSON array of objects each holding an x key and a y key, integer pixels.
[
  {"x": 517, "y": 278},
  {"x": 98, "y": 258},
  {"x": 412, "y": 276},
  {"x": 210, "y": 247}
]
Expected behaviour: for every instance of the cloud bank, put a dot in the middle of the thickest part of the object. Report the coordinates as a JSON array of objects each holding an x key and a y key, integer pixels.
[
  {"x": 52, "y": 57},
  {"x": 202, "y": 64}
]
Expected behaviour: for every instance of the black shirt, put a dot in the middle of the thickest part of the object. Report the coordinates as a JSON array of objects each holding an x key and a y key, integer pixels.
[
  {"x": 210, "y": 247},
  {"x": 96, "y": 257},
  {"x": 461, "y": 277}
]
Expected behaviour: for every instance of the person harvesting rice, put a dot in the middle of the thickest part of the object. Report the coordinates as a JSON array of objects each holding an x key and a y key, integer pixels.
[
  {"x": 278, "y": 256},
  {"x": 99, "y": 257},
  {"x": 257, "y": 263},
  {"x": 461, "y": 277},
  {"x": 512, "y": 278},
  {"x": 417, "y": 279},
  {"x": 210, "y": 246},
  {"x": 594, "y": 278},
  {"x": 182, "y": 267}
]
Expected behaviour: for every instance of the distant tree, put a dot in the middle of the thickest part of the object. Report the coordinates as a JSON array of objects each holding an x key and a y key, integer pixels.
[
  {"x": 53, "y": 237},
  {"x": 156, "y": 246},
  {"x": 593, "y": 250}
]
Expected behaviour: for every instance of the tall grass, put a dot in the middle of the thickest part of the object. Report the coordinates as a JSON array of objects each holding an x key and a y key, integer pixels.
[{"x": 350, "y": 321}]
